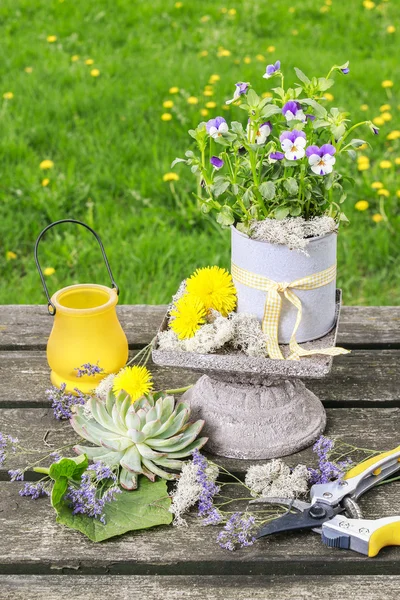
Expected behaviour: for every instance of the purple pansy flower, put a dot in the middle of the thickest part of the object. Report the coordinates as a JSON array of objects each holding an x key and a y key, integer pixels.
[
  {"x": 262, "y": 132},
  {"x": 292, "y": 110},
  {"x": 217, "y": 162},
  {"x": 321, "y": 159},
  {"x": 271, "y": 69},
  {"x": 217, "y": 127},
  {"x": 345, "y": 71},
  {"x": 240, "y": 89},
  {"x": 293, "y": 144},
  {"x": 276, "y": 156}
]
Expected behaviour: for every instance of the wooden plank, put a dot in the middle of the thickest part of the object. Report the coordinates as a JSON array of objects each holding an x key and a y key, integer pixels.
[
  {"x": 364, "y": 377},
  {"x": 374, "y": 428},
  {"x": 27, "y": 327},
  {"x": 120, "y": 587}
]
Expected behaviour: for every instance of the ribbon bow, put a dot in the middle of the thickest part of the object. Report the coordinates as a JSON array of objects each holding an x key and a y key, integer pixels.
[{"x": 273, "y": 305}]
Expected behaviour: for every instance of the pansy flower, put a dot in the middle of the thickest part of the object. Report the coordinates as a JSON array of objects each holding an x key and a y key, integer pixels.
[
  {"x": 262, "y": 132},
  {"x": 217, "y": 127},
  {"x": 216, "y": 162},
  {"x": 345, "y": 71},
  {"x": 292, "y": 110},
  {"x": 293, "y": 144},
  {"x": 272, "y": 69},
  {"x": 240, "y": 88},
  {"x": 321, "y": 160},
  {"x": 274, "y": 156}
]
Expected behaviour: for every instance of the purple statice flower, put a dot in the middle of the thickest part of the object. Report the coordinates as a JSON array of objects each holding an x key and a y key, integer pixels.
[
  {"x": 217, "y": 162},
  {"x": 238, "y": 532},
  {"x": 62, "y": 403},
  {"x": 217, "y": 127},
  {"x": 321, "y": 160},
  {"x": 276, "y": 156},
  {"x": 88, "y": 369},
  {"x": 86, "y": 499},
  {"x": 241, "y": 88},
  {"x": 293, "y": 144},
  {"x": 292, "y": 111},
  {"x": 272, "y": 69},
  {"x": 345, "y": 71},
  {"x": 7, "y": 444},
  {"x": 16, "y": 474},
  {"x": 327, "y": 470},
  {"x": 209, "y": 489},
  {"x": 34, "y": 490}
]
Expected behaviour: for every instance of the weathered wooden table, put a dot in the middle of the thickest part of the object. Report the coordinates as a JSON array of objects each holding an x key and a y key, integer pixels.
[{"x": 40, "y": 559}]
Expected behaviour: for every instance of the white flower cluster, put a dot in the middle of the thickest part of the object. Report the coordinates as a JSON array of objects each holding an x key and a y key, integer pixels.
[
  {"x": 105, "y": 386},
  {"x": 294, "y": 232},
  {"x": 187, "y": 490},
  {"x": 276, "y": 479}
]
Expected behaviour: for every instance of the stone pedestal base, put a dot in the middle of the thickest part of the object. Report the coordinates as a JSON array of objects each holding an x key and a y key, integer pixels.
[{"x": 256, "y": 421}]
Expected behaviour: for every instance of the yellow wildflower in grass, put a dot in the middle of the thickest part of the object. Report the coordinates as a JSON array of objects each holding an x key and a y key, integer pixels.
[
  {"x": 292, "y": 9},
  {"x": 328, "y": 96},
  {"x": 260, "y": 57},
  {"x": 193, "y": 100},
  {"x": 364, "y": 107},
  {"x": 390, "y": 28},
  {"x": 89, "y": 61},
  {"x": 28, "y": 69},
  {"x": 135, "y": 381},
  {"x": 211, "y": 104},
  {"x": 385, "y": 164},
  {"x": 95, "y": 72},
  {"x": 368, "y": 4},
  {"x": 388, "y": 83},
  {"x": 377, "y": 218},
  {"x": 397, "y": 160},
  {"x": 171, "y": 177},
  {"x": 247, "y": 60},
  {"x": 178, "y": 4},
  {"x": 328, "y": 2},
  {"x": 324, "y": 9},
  {"x": 398, "y": 193},
  {"x": 226, "y": 107},
  {"x": 10, "y": 255},
  {"x": 166, "y": 117},
  {"x": 378, "y": 121},
  {"x": 361, "y": 205},
  {"x": 386, "y": 116},
  {"x": 168, "y": 104},
  {"x": 214, "y": 78},
  {"x": 205, "y": 18},
  {"x": 46, "y": 164},
  {"x": 232, "y": 11},
  {"x": 295, "y": 32},
  {"x": 173, "y": 90},
  {"x": 8, "y": 96},
  {"x": 45, "y": 182},
  {"x": 190, "y": 314},
  {"x": 393, "y": 135},
  {"x": 223, "y": 53},
  {"x": 385, "y": 107},
  {"x": 224, "y": 10},
  {"x": 214, "y": 286},
  {"x": 203, "y": 53},
  {"x": 49, "y": 271},
  {"x": 51, "y": 39},
  {"x": 362, "y": 147},
  {"x": 376, "y": 185},
  {"x": 203, "y": 112},
  {"x": 271, "y": 49},
  {"x": 208, "y": 93},
  {"x": 75, "y": 57},
  {"x": 383, "y": 192},
  {"x": 266, "y": 95},
  {"x": 363, "y": 163}
]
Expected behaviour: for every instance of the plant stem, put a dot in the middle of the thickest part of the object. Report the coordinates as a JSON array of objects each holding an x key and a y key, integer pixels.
[
  {"x": 43, "y": 470},
  {"x": 178, "y": 390}
]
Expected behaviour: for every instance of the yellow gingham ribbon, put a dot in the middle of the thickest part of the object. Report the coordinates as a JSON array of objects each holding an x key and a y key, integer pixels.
[{"x": 273, "y": 305}]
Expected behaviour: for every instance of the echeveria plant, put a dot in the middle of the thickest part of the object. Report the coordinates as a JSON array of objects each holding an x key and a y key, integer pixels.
[{"x": 285, "y": 161}]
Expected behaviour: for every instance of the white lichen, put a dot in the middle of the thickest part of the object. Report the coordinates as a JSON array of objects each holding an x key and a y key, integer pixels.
[
  {"x": 248, "y": 335},
  {"x": 105, "y": 386},
  {"x": 293, "y": 232},
  {"x": 187, "y": 490},
  {"x": 276, "y": 479}
]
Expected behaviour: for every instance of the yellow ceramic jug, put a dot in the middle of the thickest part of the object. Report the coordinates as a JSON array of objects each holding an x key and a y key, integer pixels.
[{"x": 85, "y": 329}]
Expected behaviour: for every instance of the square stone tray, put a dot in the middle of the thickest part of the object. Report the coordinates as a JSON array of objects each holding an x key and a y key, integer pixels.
[{"x": 235, "y": 366}]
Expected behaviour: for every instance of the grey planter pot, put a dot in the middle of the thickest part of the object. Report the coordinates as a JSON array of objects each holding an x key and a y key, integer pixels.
[{"x": 279, "y": 263}]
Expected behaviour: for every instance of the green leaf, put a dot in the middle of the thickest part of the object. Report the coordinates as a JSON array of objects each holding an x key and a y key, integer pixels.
[
  {"x": 252, "y": 98},
  {"x": 302, "y": 76},
  {"x": 220, "y": 186},
  {"x": 59, "y": 488},
  {"x": 356, "y": 143},
  {"x": 319, "y": 110},
  {"x": 176, "y": 161},
  {"x": 320, "y": 123},
  {"x": 267, "y": 190},
  {"x": 281, "y": 213},
  {"x": 244, "y": 106},
  {"x": 225, "y": 216},
  {"x": 71, "y": 468},
  {"x": 291, "y": 186},
  {"x": 352, "y": 154},
  {"x": 237, "y": 127},
  {"x": 269, "y": 110},
  {"x": 248, "y": 197},
  {"x": 325, "y": 84},
  {"x": 140, "y": 509},
  {"x": 295, "y": 211}
]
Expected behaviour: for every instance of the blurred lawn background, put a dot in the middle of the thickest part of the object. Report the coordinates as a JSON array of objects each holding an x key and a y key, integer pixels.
[{"x": 82, "y": 84}]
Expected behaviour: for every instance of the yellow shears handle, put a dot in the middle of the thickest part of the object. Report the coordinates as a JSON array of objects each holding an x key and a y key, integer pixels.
[
  {"x": 366, "y": 464},
  {"x": 387, "y": 534}
]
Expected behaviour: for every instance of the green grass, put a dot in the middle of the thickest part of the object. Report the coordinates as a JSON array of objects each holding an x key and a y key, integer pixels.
[{"x": 110, "y": 147}]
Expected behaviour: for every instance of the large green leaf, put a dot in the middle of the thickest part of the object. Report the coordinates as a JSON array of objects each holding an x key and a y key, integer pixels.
[{"x": 145, "y": 507}]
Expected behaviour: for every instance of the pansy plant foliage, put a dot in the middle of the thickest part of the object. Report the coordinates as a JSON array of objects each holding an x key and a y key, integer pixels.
[{"x": 285, "y": 161}]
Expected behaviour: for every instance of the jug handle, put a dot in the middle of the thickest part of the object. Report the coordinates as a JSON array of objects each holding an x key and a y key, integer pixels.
[{"x": 50, "y": 305}]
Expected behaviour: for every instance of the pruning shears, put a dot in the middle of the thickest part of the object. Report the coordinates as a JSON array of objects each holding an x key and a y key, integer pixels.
[{"x": 334, "y": 513}]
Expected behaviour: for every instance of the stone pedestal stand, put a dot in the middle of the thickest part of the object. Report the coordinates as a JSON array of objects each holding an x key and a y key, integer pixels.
[{"x": 256, "y": 408}]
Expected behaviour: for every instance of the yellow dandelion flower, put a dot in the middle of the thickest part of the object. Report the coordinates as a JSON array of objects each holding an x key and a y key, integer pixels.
[
  {"x": 361, "y": 205},
  {"x": 208, "y": 93},
  {"x": 328, "y": 96},
  {"x": 363, "y": 166},
  {"x": 28, "y": 69},
  {"x": 376, "y": 185},
  {"x": 377, "y": 218},
  {"x": 397, "y": 160},
  {"x": 168, "y": 104},
  {"x": 364, "y": 107},
  {"x": 189, "y": 315},
  {"x": 362, "y": 158},
  {"x": 292, "y": 9},
  {"x": 271, "y": 49},
  {"x": 393, "y": 135},
  {"x": 173, "y": 90},
  {"x": 223, "y": 52},
  {"x": 385, "y": 107},
  {"x": 386, "y": 116},
  {"x": 10, "y": 255},
  {"x": 135, "y": 381},
  {"x": 247, "y": 60},
  {"x": 166, "y": 117},
  {"x": 232, "y": 11},
  {"x": 214, "y": 286},
  {"x": 328, "y": 2},
  {"x": 51, "y": 39},
  {"x": 45, "y": 182},
  {"x": 385, "y": 164},
  {"x": 178, "y": 4},
  {"x": 388, "y": 83},
  {"x": 75, "y": 57},
  {"x": 362, "y": 147},
  {"x": 211, "y": 104},
  {"x": 266, "y": 95},
  {"x": 324, "y": 9},
  {"x": 295, "y": 32},
  {"x": 226, "y": 107},
  {"x": 260, "y": 57},
  {"x": 383, "y": 192},
  {"x": 48, "y": 271},
  {"x": 193, "y": 100},
  {"x": 203, "y": 53},
  {"x": 203, "y": 112},
  {"x": 224, "y": 10},
  {"x": 46, "y": 164},
  {"x": 390, "y": 28},
  {"x": 214, "y": 78},
  {"x": 89, "y": 61},
  {"x": 368, "y": 4},
  {"x": 205, "y": 18},
  {"x": 8, "y": 96},
  {"x": 398, "y": 193},
  {"x": 171, "y": 177},
  {"x": 95, "y": 72},
  {"x": 378, "y": 121}
]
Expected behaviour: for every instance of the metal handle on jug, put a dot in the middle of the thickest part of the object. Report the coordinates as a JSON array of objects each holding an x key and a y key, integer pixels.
[{"x": 50, "y": 305}]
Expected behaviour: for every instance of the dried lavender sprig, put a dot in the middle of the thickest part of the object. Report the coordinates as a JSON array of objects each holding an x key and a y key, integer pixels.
[
  {"x": 62, "y": 403},
  {"x": 89, "y": 369},
  {"x": 34, "y": 490},
  {"x": 7, "y": 444}
]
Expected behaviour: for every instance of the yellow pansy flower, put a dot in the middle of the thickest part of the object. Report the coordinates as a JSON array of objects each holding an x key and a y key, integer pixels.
[
  {"x": 377, "y": 218},
  {"x": 171, "y": 177},
  {"x": 361, "y": 205},
  {"x": 166, "y": 117}
]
